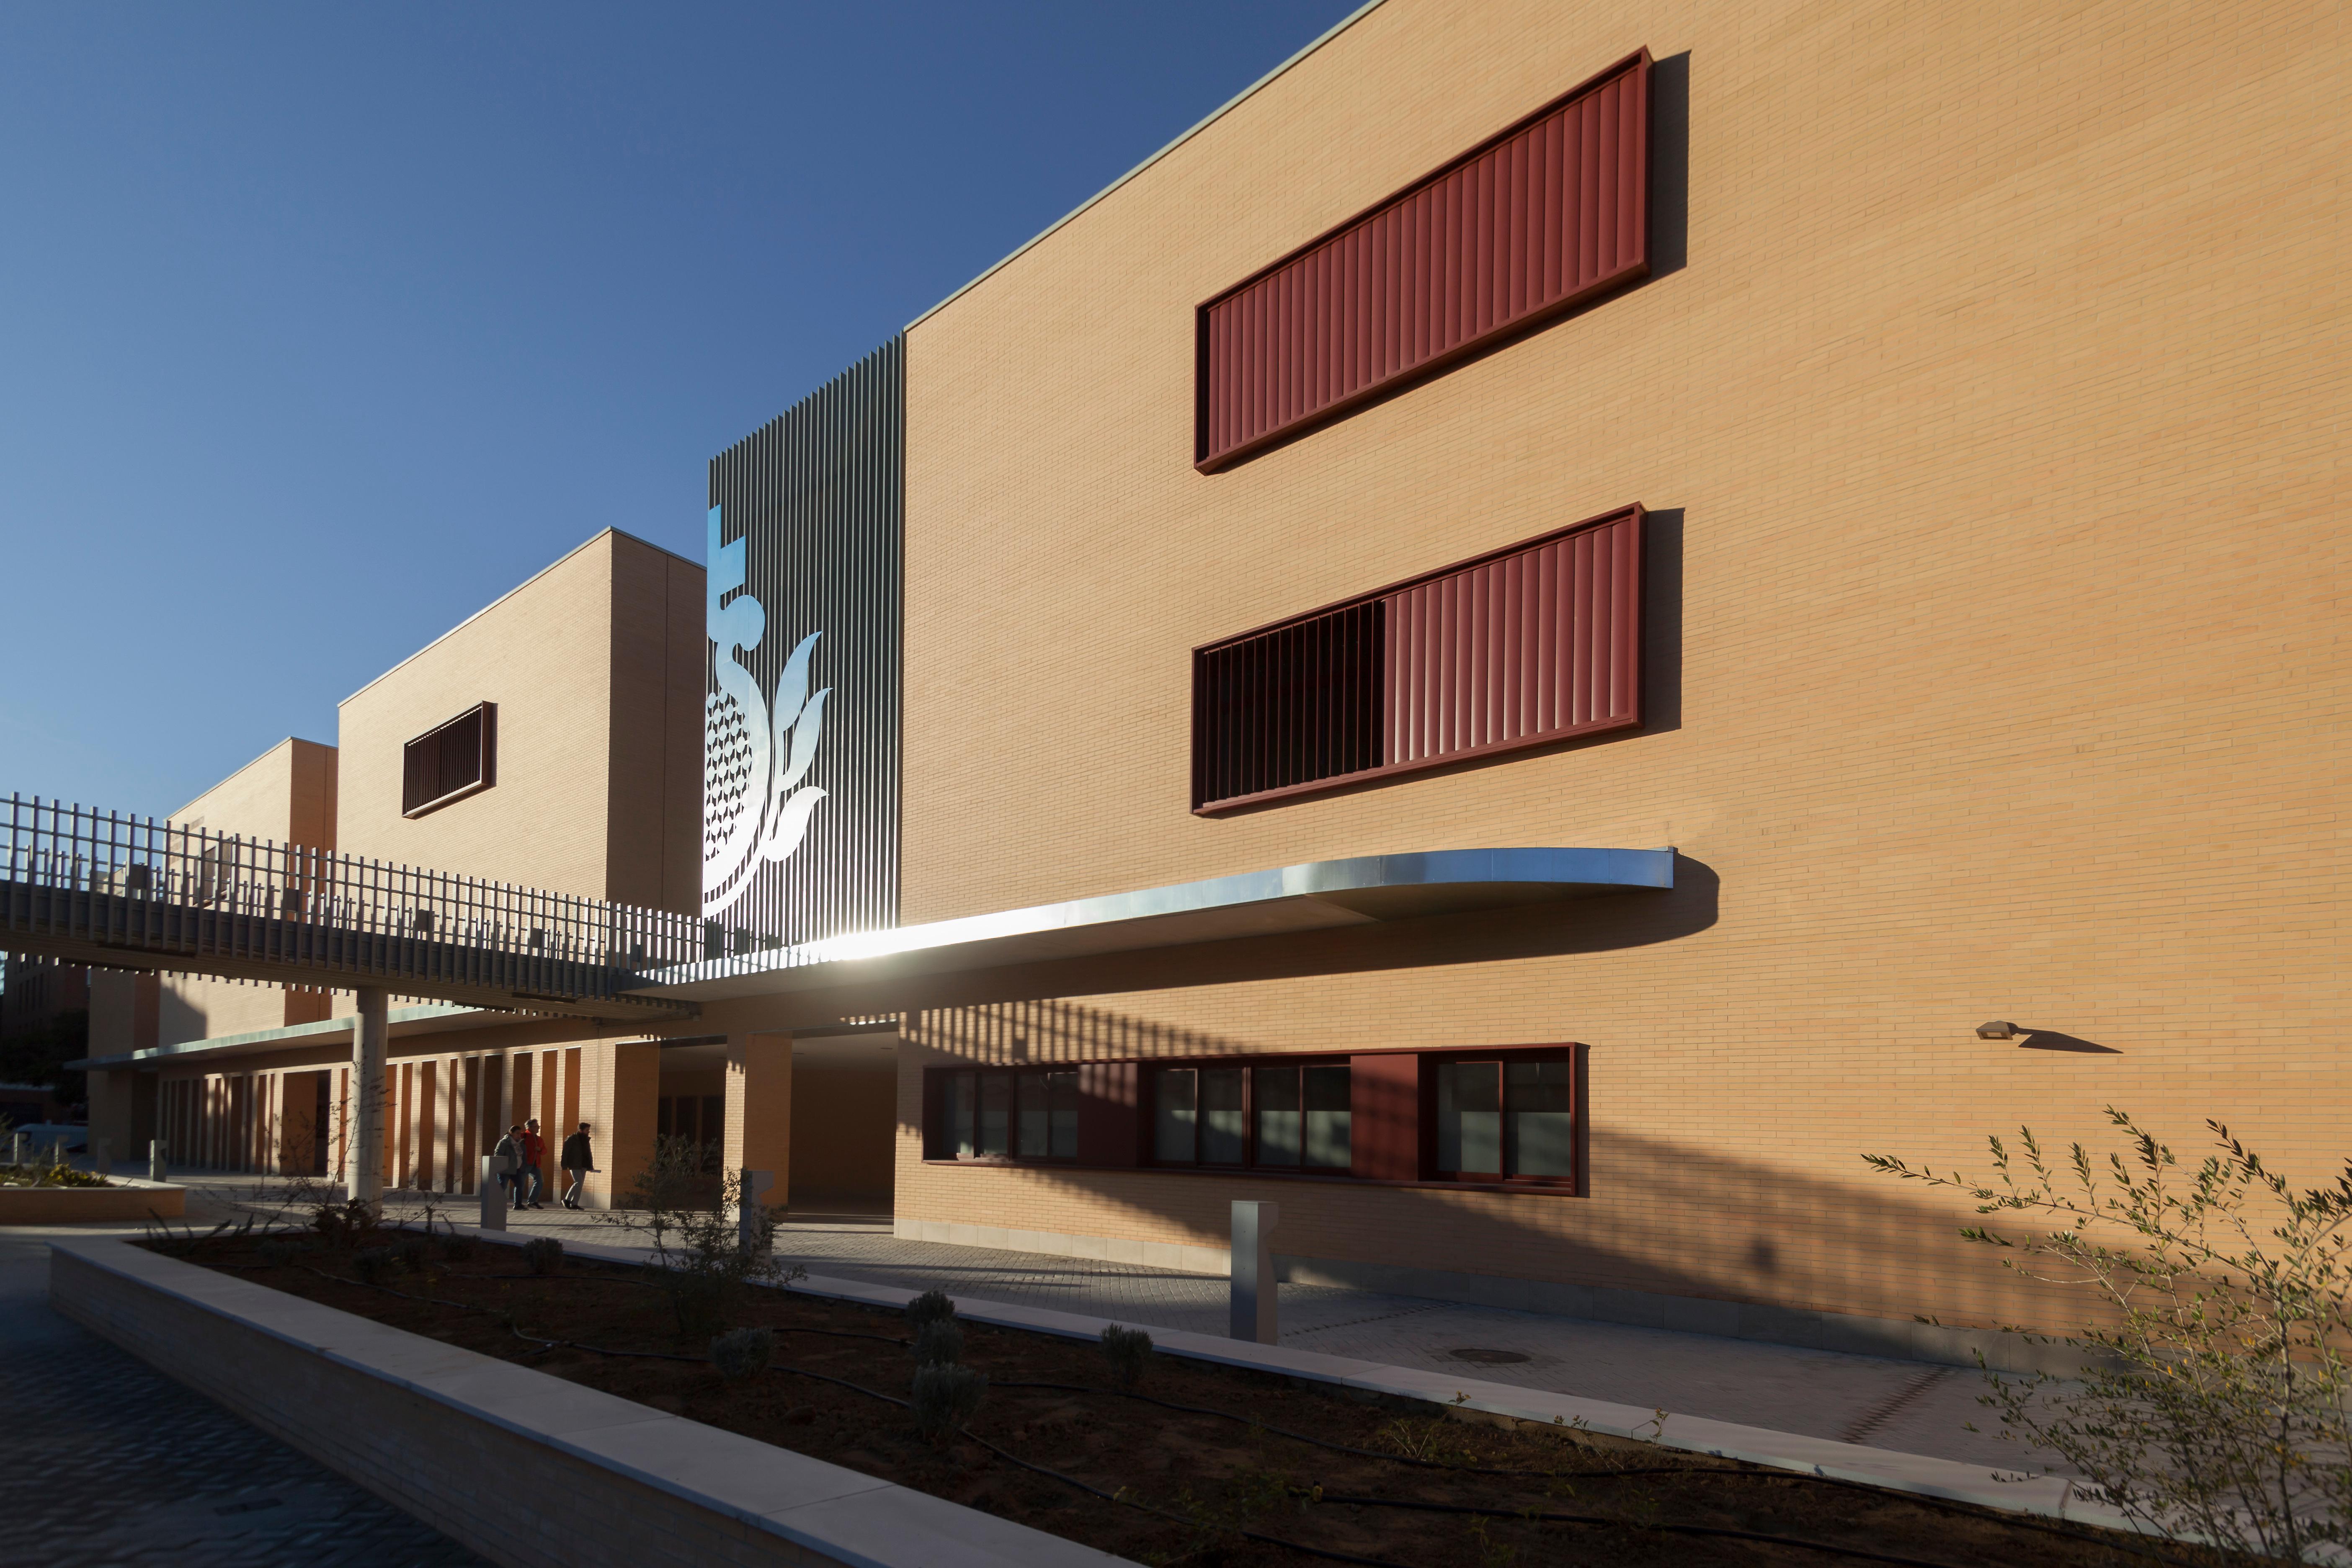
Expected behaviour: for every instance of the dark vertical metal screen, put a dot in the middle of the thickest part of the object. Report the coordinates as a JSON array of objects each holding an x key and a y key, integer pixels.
[
  {"x": 456, "y": 757},
  {"x": 1548, "y": 213},
  {"x": 817, "y": 494},
  {"x": 1528, "y": 644}
]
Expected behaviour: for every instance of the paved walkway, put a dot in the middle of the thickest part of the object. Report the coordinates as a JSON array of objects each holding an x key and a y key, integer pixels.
[
  {"x": 104, "y": 1461},
  {"x": 1904, "y": 1406}
]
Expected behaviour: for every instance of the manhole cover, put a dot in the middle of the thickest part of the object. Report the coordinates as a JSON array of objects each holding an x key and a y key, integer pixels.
[{"x": 1490, "y": 1358}]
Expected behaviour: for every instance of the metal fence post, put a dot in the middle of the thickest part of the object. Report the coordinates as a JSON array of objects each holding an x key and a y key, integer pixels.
[{"x": 1253, "y": 1312}]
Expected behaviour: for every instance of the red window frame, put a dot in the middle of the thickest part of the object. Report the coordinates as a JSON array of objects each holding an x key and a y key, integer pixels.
[{"x": 1508, "y": 1132}]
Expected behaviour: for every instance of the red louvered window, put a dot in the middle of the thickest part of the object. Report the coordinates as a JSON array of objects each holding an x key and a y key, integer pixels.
[
  {"x": 1547, "y": 214},
  {"x": 1529, "y": 645},
  {"x": 450, "y": 762}
]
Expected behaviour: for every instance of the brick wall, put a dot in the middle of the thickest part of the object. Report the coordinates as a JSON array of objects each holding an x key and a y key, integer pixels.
[{"x": 1987, "y": 403}]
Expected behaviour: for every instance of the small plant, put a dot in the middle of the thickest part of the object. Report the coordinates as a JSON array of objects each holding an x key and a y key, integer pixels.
[
  {"x": 947, "y": 1396},
  {"x": 2215, "y": 1398},
  {"x": 706, "y": 1248},
  {"x": 412, "y": 1255},
  {"x": 456, "y": 1249},
  {"x": 743, "y": 1354},
  {"x": 929, "y": 1306},
  {"x": 543, "y": 1255},
  {"x": 279, "y": 1254},
  {"x": 1129, "y": 1351},
  {"x": 372, "y": 1264},
  {"x": 353, "y": 1223},
  {"x": 938, "y": 1343}
]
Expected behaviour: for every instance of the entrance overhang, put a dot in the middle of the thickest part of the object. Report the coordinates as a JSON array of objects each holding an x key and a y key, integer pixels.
[{"x": 1319, "y": 895}]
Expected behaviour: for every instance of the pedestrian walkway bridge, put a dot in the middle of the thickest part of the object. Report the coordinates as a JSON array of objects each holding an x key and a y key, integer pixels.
[{"x": 129, "y": 893}]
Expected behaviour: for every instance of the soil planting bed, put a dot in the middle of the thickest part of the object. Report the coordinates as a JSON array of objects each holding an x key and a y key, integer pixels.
[{"x": 1225, "y": 1478}]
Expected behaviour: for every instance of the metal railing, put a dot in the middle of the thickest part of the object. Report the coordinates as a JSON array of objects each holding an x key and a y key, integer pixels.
[{"x": 84, "y": 884}]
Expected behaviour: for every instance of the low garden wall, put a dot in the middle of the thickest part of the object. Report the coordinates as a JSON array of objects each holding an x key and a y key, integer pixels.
[
  {"x": 526, "y": 1468},
  {"x": 124, "y": 1199}
]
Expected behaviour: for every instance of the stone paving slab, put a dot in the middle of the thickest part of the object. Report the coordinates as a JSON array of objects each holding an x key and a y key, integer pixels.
[{"x": 105, "y": 1461}]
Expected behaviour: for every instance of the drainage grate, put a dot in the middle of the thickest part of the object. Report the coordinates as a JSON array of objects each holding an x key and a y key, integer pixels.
[{"x": 1487, "y": 1357}]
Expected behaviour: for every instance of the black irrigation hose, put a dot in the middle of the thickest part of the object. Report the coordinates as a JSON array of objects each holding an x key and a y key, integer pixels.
[
  {"x": 1946, "y": 1505},
  {"x": 1547, "y": 1517},
  {"x": 1707, "y": 1530}
]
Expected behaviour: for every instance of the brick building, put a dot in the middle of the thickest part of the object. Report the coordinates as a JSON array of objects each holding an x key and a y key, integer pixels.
[{"x": 1512, "y": 643}]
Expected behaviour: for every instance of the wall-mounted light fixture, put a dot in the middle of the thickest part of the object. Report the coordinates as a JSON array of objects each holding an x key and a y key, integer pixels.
[{"x": 1998, "y": 1030}]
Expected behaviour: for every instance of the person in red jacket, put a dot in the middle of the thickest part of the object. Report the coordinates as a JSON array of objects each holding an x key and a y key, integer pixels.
[{"x": 528, "y": 1180}]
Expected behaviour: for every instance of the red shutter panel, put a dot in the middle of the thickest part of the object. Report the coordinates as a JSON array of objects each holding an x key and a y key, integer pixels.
[
  {"x": 1547, "y": 214},
  {"x": 1384, "y": 1116},
  {"x": 935, "y": 1085},
  {"x": 1110, "y": 1114},
  {"x": 1529, "y": 645}
]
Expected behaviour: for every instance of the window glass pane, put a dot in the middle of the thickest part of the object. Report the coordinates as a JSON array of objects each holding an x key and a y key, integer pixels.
[
  {"x": 1543, "y": 1119},
  {"x": 1223, "y": 1134},
  {"x": 1172, "y": 1115},
  {"x": 1328, "y": 1090},
  {"x": 1277, "y": 1116},
  {"x": 995, "y": 1113},
  {"x": 1033, "y": 1134},
  {"x": 1470, "y": 1118},
  {"x": 962, "y": 1101},
  {"x": 1062, "y": 1094}
]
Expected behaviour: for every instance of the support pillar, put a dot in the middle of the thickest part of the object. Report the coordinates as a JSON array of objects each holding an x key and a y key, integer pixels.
[
  {"x": 760, "y": 1108},
  {"x": 371, "y": 1041}
]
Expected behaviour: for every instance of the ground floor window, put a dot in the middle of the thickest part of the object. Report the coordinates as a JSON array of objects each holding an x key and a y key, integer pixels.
[
  {"x": 1010, "y": 1115},
  {"x": 1499, "y": 1120},
  {"x": 1507, "y": 1115}
]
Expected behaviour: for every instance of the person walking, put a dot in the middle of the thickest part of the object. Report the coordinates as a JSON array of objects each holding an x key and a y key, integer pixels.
[
  {"x": 577, "y": 1162},
  {"x": 534, "y": 1162},
  {"x": 509, "y": 1152}
]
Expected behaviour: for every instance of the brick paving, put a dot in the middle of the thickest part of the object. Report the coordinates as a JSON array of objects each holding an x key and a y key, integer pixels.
[{"x": 104, "y": 1461}]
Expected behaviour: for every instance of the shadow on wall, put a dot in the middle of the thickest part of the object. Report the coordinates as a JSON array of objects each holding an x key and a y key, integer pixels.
[
  {"x": 1663, "y": 1218},
  {"x": 179, "y": 1020},
  {"x": 1603, "y": 923}
]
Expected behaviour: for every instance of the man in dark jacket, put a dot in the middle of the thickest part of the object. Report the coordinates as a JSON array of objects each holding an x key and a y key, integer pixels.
[{"x": 577, "y": 1162}]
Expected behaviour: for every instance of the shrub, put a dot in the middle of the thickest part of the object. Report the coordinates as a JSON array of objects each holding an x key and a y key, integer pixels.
[
  {"x": 372, "y": 1264},
  {"x": 703, "y": 1259},
  {"x": 929, "y": 1306},
  {"x": 1129, "y": 1351},
  {"x": 947, "y": 1396},
  {"x": 742, "y": 1353},
  {"x": 2215, "y": 1399},
  {"x": 543, "y": 1255},
  {"x": 412, "y": 1254},
  {"x": 938, "y": 1343},
  {"x": 456, "y": 1249},
  {"x": 277, "y": 1254}
]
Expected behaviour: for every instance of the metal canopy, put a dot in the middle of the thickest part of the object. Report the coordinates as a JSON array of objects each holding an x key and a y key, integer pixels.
[{"x": 1318, "y": 896}]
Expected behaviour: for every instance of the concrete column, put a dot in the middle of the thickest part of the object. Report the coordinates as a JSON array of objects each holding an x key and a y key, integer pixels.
[
  {"x": 620, "y": 1103},
  {"x": 1253, "y": 1312},
  {"x": 759, "y": 1133},
  {"x": 371, "y": 1040}
]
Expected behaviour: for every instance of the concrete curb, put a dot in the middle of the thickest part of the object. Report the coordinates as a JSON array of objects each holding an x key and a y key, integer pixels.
[
  {"x": 469, "y": 1444},
  {"x": 2048, "y": 1495}
]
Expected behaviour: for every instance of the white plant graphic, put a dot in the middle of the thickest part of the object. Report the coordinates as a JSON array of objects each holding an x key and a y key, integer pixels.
[{"x": 755, "y": 750}]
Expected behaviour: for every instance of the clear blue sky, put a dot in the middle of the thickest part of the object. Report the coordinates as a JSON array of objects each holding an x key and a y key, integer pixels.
[{"x": 322, "y": 326}]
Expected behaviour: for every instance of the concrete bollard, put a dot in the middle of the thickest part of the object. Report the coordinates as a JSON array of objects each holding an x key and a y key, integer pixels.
[
  {"x": 1253, "y": 1313},
  {"x": 102, "y": 1156},
  {"x": 156, "y": 1162},
  {"x": 754, "y": 1190},
  {"x": 494, "y": 1192},
  {"x": 16, "y": 1146}
]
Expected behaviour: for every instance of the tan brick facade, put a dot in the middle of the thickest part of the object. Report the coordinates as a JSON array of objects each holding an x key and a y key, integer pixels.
[{"x": 1996, "y": 665}]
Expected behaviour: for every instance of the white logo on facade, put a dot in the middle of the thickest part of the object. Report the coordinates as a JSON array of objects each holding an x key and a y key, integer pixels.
[{"x": 755, "y": 750}]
